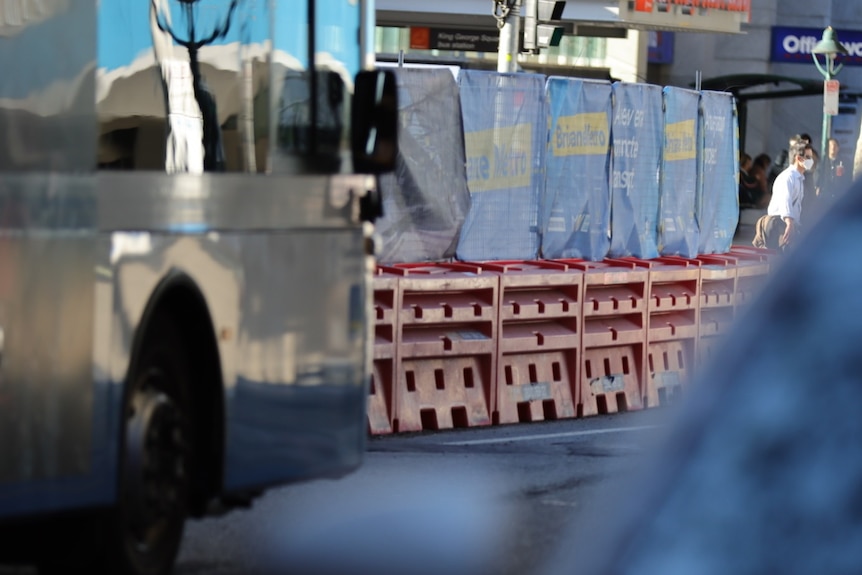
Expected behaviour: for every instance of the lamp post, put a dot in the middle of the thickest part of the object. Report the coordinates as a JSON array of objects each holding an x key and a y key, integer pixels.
[{"x": 830, "y": 47}]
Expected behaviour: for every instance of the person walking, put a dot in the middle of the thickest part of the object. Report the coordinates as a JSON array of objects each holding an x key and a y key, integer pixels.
[{"x": 781, "y": 225}]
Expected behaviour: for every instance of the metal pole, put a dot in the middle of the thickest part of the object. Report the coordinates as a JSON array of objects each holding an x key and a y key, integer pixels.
[
  {"x": 509, "y": 34},
  {"x": 826, "y": 117}
]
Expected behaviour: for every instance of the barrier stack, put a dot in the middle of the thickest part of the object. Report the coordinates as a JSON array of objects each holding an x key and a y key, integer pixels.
[
  {"x": 447, "y": 336},
  {"x": 752, "y": 268},
  {"x": 717, "y": 298},
  {"x": 672, "y": 326},
  {"x": 613, "y": 337},
  {"x": 539, "y": 343},
  {"x": 381, "y": 400},
  {"x": 472, "y": 344}
]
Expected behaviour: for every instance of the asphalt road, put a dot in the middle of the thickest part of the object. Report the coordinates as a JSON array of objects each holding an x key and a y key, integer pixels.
[{"x": 495, "y": 500}]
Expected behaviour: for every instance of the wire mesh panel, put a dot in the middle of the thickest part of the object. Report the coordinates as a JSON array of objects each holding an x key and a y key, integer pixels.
[
  {"x": 576, "y": 205},
  {"x": 634, "y": 178},
  {"x": 505, "y": 132}
]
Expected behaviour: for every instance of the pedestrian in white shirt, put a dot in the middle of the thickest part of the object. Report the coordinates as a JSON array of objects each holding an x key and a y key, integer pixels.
[{"x": 784, "y": 213}]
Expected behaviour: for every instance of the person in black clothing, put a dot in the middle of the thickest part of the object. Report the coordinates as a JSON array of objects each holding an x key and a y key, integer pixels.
[
  {"x": 832, "y": 180},
  {"x": 749, "y": 187}
]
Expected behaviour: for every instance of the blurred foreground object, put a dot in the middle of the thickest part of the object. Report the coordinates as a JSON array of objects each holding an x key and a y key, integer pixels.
[{"x": 762, "y": 472}]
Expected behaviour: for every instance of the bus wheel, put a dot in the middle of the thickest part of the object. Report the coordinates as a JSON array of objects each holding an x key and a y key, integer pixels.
[{"x": 156, "y": 457}]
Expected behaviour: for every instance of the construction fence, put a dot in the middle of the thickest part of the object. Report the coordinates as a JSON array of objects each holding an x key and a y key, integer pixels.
[
  {"x": 499, "y": 166},
  {"x": 552, "y": 248}
]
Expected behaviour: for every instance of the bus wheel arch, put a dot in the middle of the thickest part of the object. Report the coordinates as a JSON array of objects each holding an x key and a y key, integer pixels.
[{"x": 172, "y": 444}]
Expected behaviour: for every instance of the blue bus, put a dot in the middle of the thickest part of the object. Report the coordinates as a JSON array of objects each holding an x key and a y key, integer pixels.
[{"x": 186, "y": 247}]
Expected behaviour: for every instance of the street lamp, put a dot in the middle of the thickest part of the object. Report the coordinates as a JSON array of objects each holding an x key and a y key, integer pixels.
[{"x": 830, "y": 48}]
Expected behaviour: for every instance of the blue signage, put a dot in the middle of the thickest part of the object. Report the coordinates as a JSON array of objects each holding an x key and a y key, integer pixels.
[
  {"x": 660, "y": 47},
  {"x": 791, "y": 44}
]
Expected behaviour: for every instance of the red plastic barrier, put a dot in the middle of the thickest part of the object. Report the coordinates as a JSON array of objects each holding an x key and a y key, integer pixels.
[
  {"x": 612, "y": 379},
  {"x": 539, "y": 344},
  {"x": 672, "y": 325},
  {"x": 446, "y": 345},
  {"x": 381, "y": 401},
  {"x": 614, "y": 336},
  {"x": 670, "y": 365},
  {"x": 728, "y": 283},
  {"x": 752, "y": 270}
]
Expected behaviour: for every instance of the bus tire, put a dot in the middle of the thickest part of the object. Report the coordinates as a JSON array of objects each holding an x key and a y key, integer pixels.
[{"x": 156, "y": 457}]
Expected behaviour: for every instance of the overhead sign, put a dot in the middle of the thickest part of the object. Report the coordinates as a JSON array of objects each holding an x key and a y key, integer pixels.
[
  {"x": 792, "y": 44},
  {"x": 424, "y": 38},
  {"x": 660, "y": 47},
  {"x": 724, "y": 16}
]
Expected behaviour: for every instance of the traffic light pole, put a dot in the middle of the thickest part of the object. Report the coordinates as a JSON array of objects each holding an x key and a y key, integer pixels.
[{"x": 508, "y": 15}]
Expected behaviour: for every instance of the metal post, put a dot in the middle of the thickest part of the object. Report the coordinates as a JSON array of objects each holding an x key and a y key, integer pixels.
[
  {"x": 507, "y": 53},
  {"x": 830, "y": 47},
  {"x": 827, "y": 119}
]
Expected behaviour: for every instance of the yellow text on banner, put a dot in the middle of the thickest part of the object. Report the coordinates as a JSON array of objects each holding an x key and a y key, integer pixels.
[
  {"x": 680, "y": 143},
  {"x": 499, "y": 158},
  {"x": 581, "y": 135}
]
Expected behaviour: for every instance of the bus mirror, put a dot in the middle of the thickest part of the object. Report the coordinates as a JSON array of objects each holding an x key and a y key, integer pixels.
[{"x": 374, "y": 127}]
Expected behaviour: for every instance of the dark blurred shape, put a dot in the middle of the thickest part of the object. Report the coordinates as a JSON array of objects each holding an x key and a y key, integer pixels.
[
  {"x": 425, "y": 198},
  {"x": 762, "y": 471},
  {"x": 306, "y": 127},
  {"x": 374, "y": 131},
  {"x": 420, "y": 527}
]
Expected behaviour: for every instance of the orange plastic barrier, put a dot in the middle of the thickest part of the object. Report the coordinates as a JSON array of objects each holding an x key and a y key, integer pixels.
[
  {"x": 446, "y": 346},
  {"x": 717, "y": 301},
  {"x": 614, "y": 336},
  {"x": 539, "y": 343},
  {"x": 672, "y": 326},
  {"x": 381, "y": 401},
  {"x": 752, "y": 270},
  {"x": 469, "y": 344}
]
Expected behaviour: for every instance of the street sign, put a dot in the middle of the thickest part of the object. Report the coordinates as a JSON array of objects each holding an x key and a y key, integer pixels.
[
  {"x": 460, "y": 40},
  {"x": 830, "y": 97}
]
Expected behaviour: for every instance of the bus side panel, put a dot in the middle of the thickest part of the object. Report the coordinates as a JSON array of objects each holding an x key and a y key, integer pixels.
[
  {"x": 280, "y": 262},
  {"x": 47, "y": 88},
  {"x": 53, "y": 397},
  {"x": 297, "y": 409},
  {"x": 289, "y": 311}
]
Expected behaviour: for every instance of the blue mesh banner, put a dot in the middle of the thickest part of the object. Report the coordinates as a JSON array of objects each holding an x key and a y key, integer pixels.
[
  {"x": 505, "y": 133},
  {"x": 576, "y": 205},
  {"x": 718, "y": 199},
  {"x": 425, "y": 200},
  {"x": 636, "y": 159},
  {"x": 678, "y": 232}
]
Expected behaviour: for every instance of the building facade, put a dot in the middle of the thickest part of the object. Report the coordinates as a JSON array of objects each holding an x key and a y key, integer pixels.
[{"x": 609, "y": 39}]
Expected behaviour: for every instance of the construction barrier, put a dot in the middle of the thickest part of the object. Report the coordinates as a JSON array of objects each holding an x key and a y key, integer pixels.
[
  {"x": 717, "y": 299},
  {"x": 613, "y": 336},
  {"x": 672, "y": 326},
  {"x": 539, "y": 342},
  {"x": 447, "y": 337},
  {"x": 381, "y": 400},
  {"x": 513, "y": 341},
  {"x": 752, "y": 269}
]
